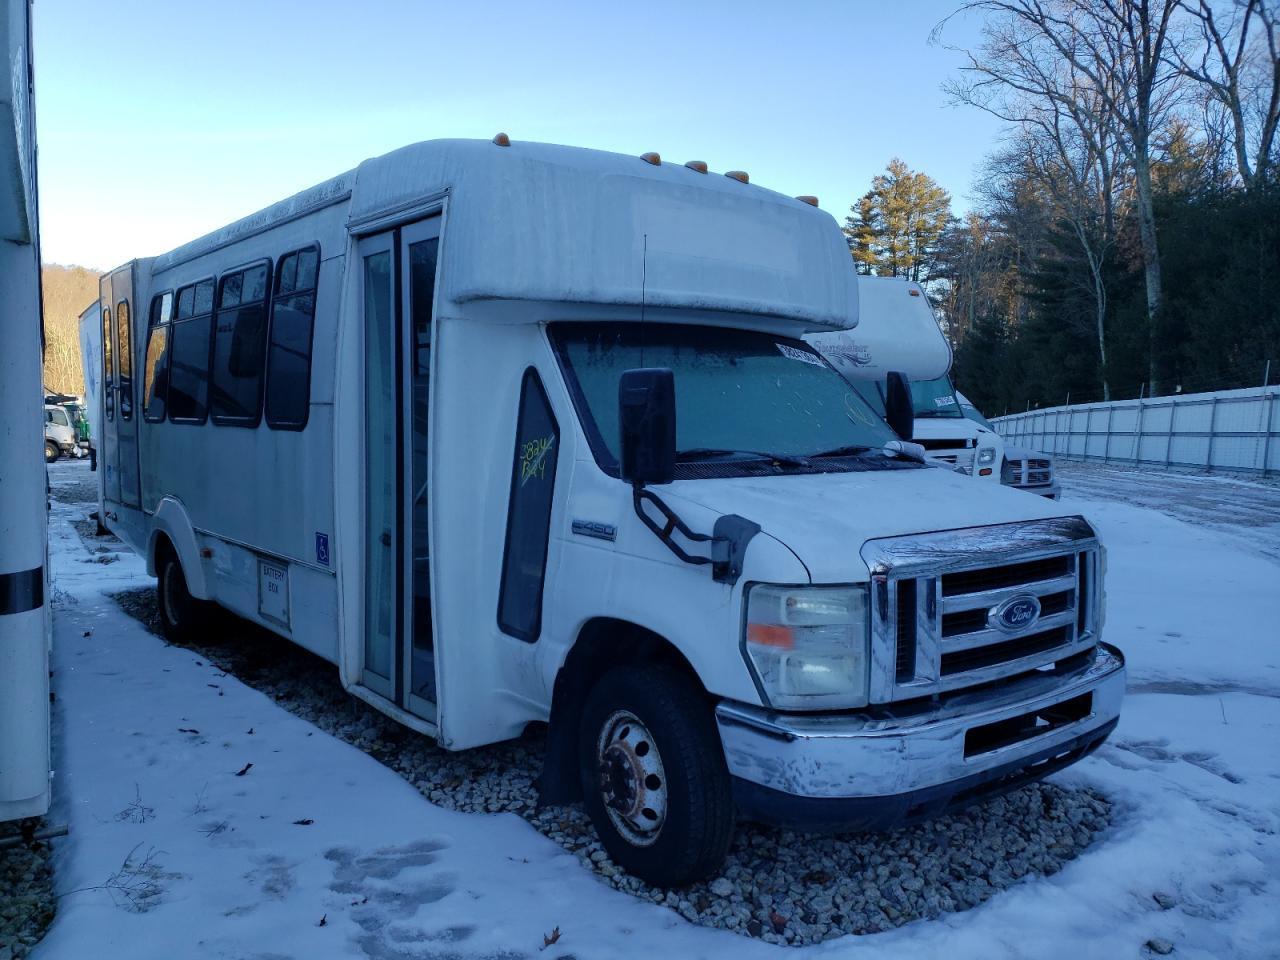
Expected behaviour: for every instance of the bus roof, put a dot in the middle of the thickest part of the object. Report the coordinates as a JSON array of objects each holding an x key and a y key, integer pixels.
[{"x": 539, "y": 222}]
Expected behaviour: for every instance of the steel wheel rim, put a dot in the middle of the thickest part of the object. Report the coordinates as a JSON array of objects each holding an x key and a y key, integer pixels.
[{"x": 631, "y": 778}]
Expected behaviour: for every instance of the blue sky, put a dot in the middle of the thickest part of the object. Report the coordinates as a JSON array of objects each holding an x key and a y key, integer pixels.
[{"x": 160, "y": 121}]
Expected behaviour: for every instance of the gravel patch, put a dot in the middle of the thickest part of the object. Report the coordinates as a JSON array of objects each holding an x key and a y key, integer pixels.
[
  {"x": 27, "y": 901},
  {"x": 777, "y": 885}
]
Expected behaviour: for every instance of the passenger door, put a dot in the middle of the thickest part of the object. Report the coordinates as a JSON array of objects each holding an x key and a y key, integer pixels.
[
  {"x": 127, "y": 412},
  {"x": 109, "y": 446},
  {"x": 397, "y": 286}
]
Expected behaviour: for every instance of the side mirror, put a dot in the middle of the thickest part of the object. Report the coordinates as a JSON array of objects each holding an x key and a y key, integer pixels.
[
  {"x": 647, "y": 422},
  {"x": 898, "y": 408}
]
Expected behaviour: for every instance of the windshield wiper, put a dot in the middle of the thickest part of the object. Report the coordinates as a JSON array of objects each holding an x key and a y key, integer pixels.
[
  {"x": 850, "y": 451},
  {"x": 712, "y": 453}
]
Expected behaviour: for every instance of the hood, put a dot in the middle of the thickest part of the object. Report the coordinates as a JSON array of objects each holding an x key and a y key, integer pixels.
[{"x": 826, "y": 518}]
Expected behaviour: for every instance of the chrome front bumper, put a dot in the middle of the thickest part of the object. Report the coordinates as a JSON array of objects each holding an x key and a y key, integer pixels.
[{"x": 902, "y": 762}]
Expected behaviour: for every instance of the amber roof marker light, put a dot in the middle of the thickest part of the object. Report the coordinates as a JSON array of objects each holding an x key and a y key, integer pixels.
[
  {"x": 810, "y": 200},
  {"x": 739, "y": 175},
  {"x": 652, "y": 157},
  {"x": 698, "y": 166},
  {"x": 502, "y": 140}
]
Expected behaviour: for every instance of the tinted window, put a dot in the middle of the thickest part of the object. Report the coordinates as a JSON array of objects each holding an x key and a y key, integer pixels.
[
  {"x": 155, "y": 373},
  {"x": 240, "y": 332},
  {"x": 125, "y": 360},
  {"x": 108, "y": 374},
  {"x": 293, "y": 308},
  {"x": 533, "y": 476},
  {"x": 189, "y": 342}
]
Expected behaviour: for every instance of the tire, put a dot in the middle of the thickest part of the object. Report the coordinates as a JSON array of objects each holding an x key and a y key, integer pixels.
[
  {"x": 183, "y": 619},
  {"x": 654, "y": 780},
  {"x": 51, "y": 451}
]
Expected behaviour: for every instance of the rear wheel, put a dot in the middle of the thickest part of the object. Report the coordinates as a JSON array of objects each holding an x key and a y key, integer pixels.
[
  {"x": 183, "y": 618},
  {"x": 653, "y": 775},
  {"x": 51, "y": 451}
]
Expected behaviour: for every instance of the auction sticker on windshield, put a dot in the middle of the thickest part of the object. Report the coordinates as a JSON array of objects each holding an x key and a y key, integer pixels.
[
  {"x": 802, "y": 355},
  {"x": 947, "y": 401}
]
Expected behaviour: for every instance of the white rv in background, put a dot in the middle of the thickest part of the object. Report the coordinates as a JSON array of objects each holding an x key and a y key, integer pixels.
[
  {"x": 897, "y": 331},
  {"x": 516, "y": 433}
]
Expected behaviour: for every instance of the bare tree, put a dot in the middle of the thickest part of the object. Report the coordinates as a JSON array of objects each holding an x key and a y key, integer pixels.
[
  {"x": 1234, "y": 56},
  {"x": 1116, "y": 51},
  {"x": 1066, "y": 141},
  {"x": 67, "y": 291}
]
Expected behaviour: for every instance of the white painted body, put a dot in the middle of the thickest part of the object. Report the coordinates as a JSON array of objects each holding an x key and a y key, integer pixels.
[
  {"x": 24, "y": 614},
  {"x": 530, "y": 234}
]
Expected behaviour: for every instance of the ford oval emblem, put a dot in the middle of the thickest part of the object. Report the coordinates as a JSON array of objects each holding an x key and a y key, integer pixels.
[{"x": 1015, "y": 613}]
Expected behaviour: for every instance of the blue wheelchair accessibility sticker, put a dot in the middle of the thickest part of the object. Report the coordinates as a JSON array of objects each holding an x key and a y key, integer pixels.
[{"x": 322, "y": 548}]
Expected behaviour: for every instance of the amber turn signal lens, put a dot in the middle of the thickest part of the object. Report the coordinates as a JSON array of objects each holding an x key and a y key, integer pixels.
[{"x": 769, "y": 635}]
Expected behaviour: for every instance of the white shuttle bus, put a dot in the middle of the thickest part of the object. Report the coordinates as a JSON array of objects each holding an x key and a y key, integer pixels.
[
  {"x": 897, "y": 332},
  {"x": 516, "y": 433}
]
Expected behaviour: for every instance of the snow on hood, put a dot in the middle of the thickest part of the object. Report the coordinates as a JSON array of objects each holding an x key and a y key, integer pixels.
[{"x": 826, "y": 518}]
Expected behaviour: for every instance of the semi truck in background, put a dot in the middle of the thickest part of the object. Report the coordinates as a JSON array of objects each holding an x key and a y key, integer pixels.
[{"x": 897, "y": 332}]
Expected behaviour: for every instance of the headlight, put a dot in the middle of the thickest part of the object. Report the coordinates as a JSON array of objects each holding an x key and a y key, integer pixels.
[
  {"x": 808, "y": 646},
  {"x": 986, "y": 456}
]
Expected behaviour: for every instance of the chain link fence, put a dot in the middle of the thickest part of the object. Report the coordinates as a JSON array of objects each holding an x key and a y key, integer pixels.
[{"x": 1233, "y": 430}]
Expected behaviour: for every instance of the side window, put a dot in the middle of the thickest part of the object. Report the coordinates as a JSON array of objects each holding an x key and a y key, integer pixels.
[
  {"x": 190, "y": 336},
  {"x": 239, "y": 340},
  {"x": 533, "y": 477},
  {"x": 293, "y": 310},
  {"x": 155, "y": 373},
  {"x": 108, "y": 374},
  {"x": 124, "y": 358}
]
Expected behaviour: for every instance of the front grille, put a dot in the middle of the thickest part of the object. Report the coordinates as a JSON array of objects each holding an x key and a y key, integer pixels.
[
  {"x": 1034, "y": 472},
  {"x": 943, "y": 619},
  {"x": 1008, "y": 575},
  {"x": 976, "y": 657},
  {"x": 962, "y": 460}
]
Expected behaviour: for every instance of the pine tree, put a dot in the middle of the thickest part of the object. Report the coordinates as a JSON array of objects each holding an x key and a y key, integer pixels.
[{"x": 895, "y": 227}]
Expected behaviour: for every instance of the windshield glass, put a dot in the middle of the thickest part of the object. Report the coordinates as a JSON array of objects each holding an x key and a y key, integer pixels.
[
  {"x": 737, "y": 391},
  {"x": 935, "y": 398},
  {"x": 970, "y": 411}
]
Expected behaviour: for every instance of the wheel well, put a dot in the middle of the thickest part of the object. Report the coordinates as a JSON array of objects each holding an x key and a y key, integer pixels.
[
  {"x": 159, "y": 547},
  {"x": 603, "y": 643}
]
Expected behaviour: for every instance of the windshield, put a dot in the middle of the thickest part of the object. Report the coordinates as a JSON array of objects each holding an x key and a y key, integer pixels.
[
  {"x": 935, "y": 398},
  {"x": 738, "y": 392},
  {"x": 970, "y": 411}
]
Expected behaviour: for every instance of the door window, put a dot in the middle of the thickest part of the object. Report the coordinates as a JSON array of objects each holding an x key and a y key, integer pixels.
[
  {"x": 108, "y": 374},
  {"x": 533, "y": 475},
  {"x": 124, "y": 360},
  {"x": 381, "y": 514}
]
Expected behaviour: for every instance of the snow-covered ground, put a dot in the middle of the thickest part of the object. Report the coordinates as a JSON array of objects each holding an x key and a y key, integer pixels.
[{"x": 206, "y": 821}]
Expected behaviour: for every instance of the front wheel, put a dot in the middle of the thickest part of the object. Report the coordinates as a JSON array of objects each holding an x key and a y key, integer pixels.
[
  {"x": 183, "y": 618},
  {"x": 51, "y": 451},
  {"x": 653, "y": 775}
]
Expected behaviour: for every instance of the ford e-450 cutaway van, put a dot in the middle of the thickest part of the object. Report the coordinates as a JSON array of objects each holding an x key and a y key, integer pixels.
[{"x": 515, "y": 433}]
